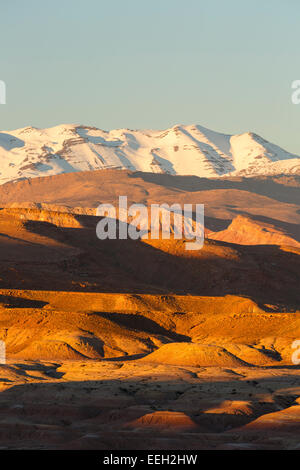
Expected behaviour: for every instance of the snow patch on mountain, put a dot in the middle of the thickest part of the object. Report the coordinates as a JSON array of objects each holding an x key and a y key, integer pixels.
[{"x": 180, "y": 150}]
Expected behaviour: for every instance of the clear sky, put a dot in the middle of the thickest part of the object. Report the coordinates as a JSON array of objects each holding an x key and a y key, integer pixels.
[{"x": 226, "y": 65}]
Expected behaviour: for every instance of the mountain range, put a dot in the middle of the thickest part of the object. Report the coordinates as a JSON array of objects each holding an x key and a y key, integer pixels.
[
  {"x": 142, "y": 344},
  {"x": 181, "y": 150}
]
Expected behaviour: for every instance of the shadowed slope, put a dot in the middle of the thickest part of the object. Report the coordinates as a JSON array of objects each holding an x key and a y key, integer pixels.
[
  {"x": 133, "y": 405},
  {"x": 274, "y": 197},
  {"x": 41, "y": 255}
]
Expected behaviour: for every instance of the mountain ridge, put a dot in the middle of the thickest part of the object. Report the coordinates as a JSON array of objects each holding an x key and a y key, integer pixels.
[{"x": 180, "y": 150}]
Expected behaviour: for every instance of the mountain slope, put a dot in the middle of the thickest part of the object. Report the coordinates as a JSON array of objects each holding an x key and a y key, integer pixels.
[
  {"x": 180, "y": 150},
  {"x": 60, "y": 252},
  {"x": 273, "y": 199},
  {"x": 248, "y": 231}
]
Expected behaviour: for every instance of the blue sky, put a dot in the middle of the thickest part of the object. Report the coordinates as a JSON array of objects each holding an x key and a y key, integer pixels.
[{"x": 152, "y": 64}]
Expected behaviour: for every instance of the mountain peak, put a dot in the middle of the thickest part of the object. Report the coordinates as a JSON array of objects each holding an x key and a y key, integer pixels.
[{"x": 182, "y": 149}]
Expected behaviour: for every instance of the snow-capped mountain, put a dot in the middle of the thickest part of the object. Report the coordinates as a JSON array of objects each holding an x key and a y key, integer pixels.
[{"x": 180, "y": 150}]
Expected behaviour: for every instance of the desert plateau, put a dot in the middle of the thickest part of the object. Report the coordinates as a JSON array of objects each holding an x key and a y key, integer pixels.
[{"x": 140, "y": 344}]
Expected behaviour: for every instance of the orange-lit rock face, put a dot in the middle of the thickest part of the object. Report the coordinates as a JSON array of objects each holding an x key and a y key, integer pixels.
[
  {"x": 169, "y": 421},
  {"x": 178, "y": 330},
  {"x": 245, "y": 231}
]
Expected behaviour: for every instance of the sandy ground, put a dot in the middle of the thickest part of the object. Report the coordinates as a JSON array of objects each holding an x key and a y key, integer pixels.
[
  {"x": 117, "y": 404},
  {"x": 130, "y": 372}
]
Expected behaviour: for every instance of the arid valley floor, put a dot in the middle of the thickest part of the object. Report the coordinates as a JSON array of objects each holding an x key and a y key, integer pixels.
[{"x": 141, "y": 344}]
